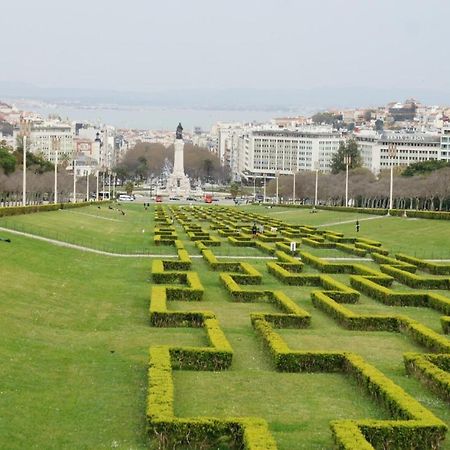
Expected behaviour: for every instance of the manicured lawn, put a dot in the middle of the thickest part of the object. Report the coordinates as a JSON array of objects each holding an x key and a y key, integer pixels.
[
  {"x": 419, "y": 237},
  {"x": 75, "y": 334},
  {"x": 103, "y": 229}
]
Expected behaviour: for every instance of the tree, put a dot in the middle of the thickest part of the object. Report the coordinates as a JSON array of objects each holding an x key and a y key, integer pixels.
[
  {"x": 379, "y": 125},
  {"x": 424, "y": 167},
  {"x": 7, "y": 160},
  {"x": 349, "y": 149},
  {"x": 326, "y": 117},
  {"x": 142, "y": 168},
  {"x": 234, "y": 189},
  {"x": 129, "y": 187}
]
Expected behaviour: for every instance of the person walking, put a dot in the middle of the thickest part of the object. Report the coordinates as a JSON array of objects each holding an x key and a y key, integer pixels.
[
  {"x": 357, "y": 226},
  {"x": 254, "y": 229}
]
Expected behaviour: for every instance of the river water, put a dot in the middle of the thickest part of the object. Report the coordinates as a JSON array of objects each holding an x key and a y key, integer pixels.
[{"x": 152, "y": 118}]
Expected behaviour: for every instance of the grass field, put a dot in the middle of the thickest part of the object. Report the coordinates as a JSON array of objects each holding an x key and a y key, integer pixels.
[
  {"x": 75, "y": 334},
  {"x": 423, "y": 238}
]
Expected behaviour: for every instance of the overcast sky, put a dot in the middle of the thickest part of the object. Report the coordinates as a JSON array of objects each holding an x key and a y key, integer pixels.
[{"x": 147, "y": 45}]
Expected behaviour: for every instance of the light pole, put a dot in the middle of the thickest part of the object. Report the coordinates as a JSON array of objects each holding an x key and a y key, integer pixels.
[
  {"x": 347, "y": 161},
  {"x": 264, "y": 190},
  {"x": 74, "y": 179},
  {"x": 24, "y": 175},
  {"x": 55, "y": 145},
  {"x": 277, "y": 174},
  {"x": 293, "y": 190},
  {"x": 316, "y": 164},
  {"x": 96, "y": 192},
  {"x": 87, "y": 185},
  {"x": 392, "y": 152}
]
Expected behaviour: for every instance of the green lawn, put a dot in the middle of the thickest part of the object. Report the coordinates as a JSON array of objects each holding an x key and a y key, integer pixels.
[
  {"x": 75, "y": 334},
  {"x": 419, "y": 237},
  {"x": 103, "y": 229}
]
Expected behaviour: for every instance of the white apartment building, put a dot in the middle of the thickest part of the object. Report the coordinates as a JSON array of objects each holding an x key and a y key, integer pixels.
[
  {"x": 48, "y": 138},
  {"x": 381, "y": 151},
  {"x": 267, "y": 152}
]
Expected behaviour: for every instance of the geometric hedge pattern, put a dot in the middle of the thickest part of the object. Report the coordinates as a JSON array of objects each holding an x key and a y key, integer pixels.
[{"x": 411, "y": 425}]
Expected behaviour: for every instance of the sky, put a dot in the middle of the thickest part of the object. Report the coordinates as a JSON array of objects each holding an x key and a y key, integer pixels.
[{"x": 147, "y": 45}]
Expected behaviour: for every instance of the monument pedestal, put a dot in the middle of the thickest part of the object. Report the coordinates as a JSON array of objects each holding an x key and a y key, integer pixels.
[{"x": 178, "y": 183}]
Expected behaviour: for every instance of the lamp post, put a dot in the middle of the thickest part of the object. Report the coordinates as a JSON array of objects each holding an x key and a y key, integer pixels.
[
  {"x": 87, "y": 184},
  {"x": 114, "y": 185},
  {"x": 55, "y": 145},
  {"x": 293, "y": 190},
  {"x": 347, "y": 161},
  {"x": 75, "y": 179},
  {"x": 316, "y": 167},
  {"x": 24, "y": 175},
  {"x": 392, "y": 152},
  {"x": 96, "y": 192},
  {"x": 277, "y": 174},
  {"x": 264, "y": 190}
]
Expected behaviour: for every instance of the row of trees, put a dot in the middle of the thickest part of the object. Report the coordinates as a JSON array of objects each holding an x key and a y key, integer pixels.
[
  {"x": 429, "y": 192},
  {"x": 147, "y": 160}
]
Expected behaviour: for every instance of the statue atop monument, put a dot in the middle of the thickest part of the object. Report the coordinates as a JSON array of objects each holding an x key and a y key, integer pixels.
[{"x": 179, "y": 131}]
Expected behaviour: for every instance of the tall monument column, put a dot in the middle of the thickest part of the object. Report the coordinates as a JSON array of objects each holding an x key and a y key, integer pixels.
[{"x": 178, "y": 183}]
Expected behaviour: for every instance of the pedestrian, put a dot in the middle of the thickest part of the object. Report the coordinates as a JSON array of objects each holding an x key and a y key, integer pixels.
[
  {"x": 254, "y": 229},
  {"x": 357, "y": 226},
  {"x": 261, "y": 229}
]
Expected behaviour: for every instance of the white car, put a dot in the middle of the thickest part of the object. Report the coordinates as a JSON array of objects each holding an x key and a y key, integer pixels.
[{"x": 126, "y": 198}]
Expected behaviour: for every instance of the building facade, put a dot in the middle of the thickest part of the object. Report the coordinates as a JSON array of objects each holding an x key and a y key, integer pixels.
[
  {"x": 284, "y": 152},
  {"x": 382, "y": 151}
]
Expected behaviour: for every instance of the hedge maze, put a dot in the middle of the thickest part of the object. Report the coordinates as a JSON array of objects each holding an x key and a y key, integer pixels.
[{"x": 337, "y": 288}]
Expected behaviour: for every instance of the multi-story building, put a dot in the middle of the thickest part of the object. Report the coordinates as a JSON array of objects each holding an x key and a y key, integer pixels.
[
  {"x": 268, "y": 152},
  {"x": 48, "y": 138},
  {"x": 445, "y": 143},
  {"x": 382, "y": 151}
]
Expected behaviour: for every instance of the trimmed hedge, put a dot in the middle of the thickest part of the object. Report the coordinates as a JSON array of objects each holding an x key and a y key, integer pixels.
[
  {"x": 439, "y": 215},
  {"x": 383, "y": 259},
  {"x": 434, "y": 268},
  {"x": 427, "y": 369},
  {"x": 416, "y": 281},
  {"x": 445, "y": 323},
  {"x": 19, "y": 210},
  {"x": 160, "y": 316}
]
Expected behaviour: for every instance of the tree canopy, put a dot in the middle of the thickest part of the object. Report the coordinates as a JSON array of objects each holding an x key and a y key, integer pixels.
[
  {"x": 349, "y": 149},
  {"x": 146, "y": 160},
  {"x": 424, "y": 167},
  {"x": 326, "y": 117},
  {"x": 7, "y": 159}
]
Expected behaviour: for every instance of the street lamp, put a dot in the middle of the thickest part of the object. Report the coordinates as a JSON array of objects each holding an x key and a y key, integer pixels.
[
  {"x": 277, "y": 174},
  {"x": 96, "y": 192},
  {"x": 87, "y": 184},
  {"x": 55, "y": 145},
  {"x": 392, "y": 153},
  {"x": 75, "y": 178},
  {"x": 293, "y": 190},
  {"x": 316, "y": 167},
  {"x": 347, "y": 162},
  {"x": 264, "y": 190},
  {"x": 24, "y": 175}
]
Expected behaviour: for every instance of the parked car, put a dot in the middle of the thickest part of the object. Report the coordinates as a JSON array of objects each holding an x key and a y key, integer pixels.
[
  {"x": 126, "y": 198},
  {"x": 174, "y": 198}
]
